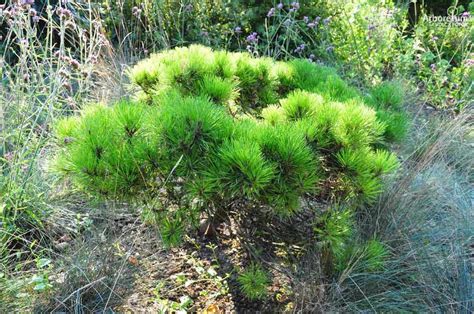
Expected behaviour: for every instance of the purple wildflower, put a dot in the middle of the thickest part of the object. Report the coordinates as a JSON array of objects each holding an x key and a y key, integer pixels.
[
  {"x": 311, "y": 25},
  {"x": 312, "y": 56},
  {"x": 300, "y": 48},
  {"x": 466, "y": 14},
  {"x": 136, "y": 11},
  {"x": 36, "y": 19},
  {"x": 330, "y": 49},
  {"x": 295, "y": 5},
  {"x": 371, "y": 27},
  {"x": 10, "y": 12},
  {"x": 434, "y": 38},
  {"x": 280, "y": 6},
  {"x": 238, "y": 30},
  {"x": 27, "y": 2},
  {"x": 75, "y": 64},
  {"x": 67, "y": 86},
  {"x": 252, "y": 38},
  {"x": 271, "y": 12},
  {"x": 317, "y": 19},
  {"x": 63, "y": 12},
  {"x": 305, "y": 19},
  {"x": 433, "y": 67},
  {"x": 469, "y": 63},
  {"x": 9, "y": 156},
  {"x": 326, "y": 21}
]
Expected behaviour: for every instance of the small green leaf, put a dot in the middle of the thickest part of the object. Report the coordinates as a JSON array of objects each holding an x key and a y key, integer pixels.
[
  {"x": 40, "y": 287},
  {"x": 185, "y": 301},
  {"x": 212, "y": 272},
  {"x": 43, "y": 262}
]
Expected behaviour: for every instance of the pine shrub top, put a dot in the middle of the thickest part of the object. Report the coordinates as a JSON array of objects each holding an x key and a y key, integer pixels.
[{"x": 235, "y": 127}]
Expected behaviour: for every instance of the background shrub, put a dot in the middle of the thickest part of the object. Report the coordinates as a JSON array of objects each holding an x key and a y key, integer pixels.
[
  {"x": 437, "y": 56},
  {"x": 366, "y": 41}
]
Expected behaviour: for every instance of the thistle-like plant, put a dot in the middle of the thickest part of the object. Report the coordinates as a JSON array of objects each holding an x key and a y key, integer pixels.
[{"x": 254, "y": 282}]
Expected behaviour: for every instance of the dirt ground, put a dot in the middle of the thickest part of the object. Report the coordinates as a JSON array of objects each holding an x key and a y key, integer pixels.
[{"x": 118, "y": 263}]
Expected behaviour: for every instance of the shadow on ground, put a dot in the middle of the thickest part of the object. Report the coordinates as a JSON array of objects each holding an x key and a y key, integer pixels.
[{"x": 119, "y": 265}]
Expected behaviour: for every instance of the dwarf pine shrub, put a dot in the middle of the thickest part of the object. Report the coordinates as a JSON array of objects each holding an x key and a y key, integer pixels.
[
  {"x": 254, "y": 282},
  {"x": 296, "y": 170},
  {"x": 192, "y": 128},
  {"x": 107, "y": 149},
  {"x": 387, "y": 99},
  {"x": 241, "y": 169},
  {"x": 233, "y": 127}
]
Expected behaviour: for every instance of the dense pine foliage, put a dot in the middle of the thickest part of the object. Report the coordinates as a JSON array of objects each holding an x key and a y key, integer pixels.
[{"x": 236, "y": 127}]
